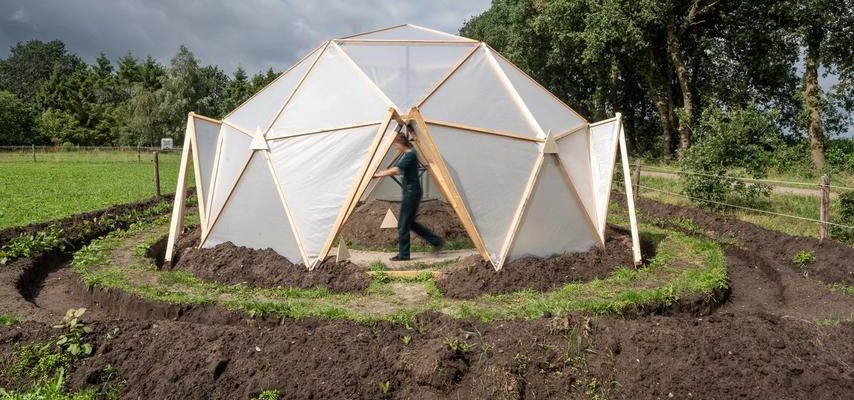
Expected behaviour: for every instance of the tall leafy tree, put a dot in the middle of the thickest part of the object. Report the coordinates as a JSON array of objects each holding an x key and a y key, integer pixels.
[
  {"x": 16, "y": 121},
  {"x": 30, "y": 64},
  {"x": 238, "y": 89},
  {"x": 823, "y": 30},
  {"x": 214, "y": 91}
]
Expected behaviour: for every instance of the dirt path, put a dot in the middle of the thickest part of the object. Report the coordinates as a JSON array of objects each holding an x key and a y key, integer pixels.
[
  {"x": 797, "y": 191},
  {"x": 426, "y": 260},
  {"x": 758, "y": 286}
]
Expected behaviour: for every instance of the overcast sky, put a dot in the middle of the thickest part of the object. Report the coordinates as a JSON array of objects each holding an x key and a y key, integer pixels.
[{"x": 255, "y": 34}]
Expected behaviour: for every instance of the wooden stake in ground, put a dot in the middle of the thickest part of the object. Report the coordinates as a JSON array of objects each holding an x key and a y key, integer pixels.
[
  {"x": 825, "y": 202},
  {"x": 34, "y": 152},
  {"x": 176, "y": 224},
  {"x": 156, "y": 174}
]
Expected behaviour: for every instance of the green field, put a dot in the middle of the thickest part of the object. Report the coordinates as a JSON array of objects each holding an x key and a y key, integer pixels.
[{"x": 62, "y": 184}]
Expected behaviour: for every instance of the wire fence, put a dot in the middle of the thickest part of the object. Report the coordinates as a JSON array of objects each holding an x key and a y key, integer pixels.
[
  {"x": 744, "y": 207},
  {"x": 783, "y": 187},
  {"x": 767, "y": 181},
  {"x": 62, "y": 154}
]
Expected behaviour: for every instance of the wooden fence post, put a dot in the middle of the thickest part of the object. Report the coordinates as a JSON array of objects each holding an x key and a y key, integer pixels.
[
  {"x": 156, "y": 174},
  {"x": 34, "y": 152},
  {"x": 825, "y": 203},
  {"x": 637, "y": 179},
  {"x": 138, "y": 154}
]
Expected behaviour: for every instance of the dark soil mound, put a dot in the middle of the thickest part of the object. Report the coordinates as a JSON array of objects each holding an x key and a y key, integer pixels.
[
  {"x": 765, "y": 343},
  {"x": 363, "y": 227},
  {"x": 723, "y": 356},
  {"x": 834, "y": 261},
  {"x": 473, "y": 277},
  {"x": 232, "y": 264}
]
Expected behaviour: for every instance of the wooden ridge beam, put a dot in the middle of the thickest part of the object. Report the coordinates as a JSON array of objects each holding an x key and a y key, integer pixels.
[
  {"x": 324, "y": 130},
  {"x": 486, "y": 131}
]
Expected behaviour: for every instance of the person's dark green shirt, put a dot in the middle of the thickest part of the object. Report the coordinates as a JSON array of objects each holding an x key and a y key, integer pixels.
[{"x": 408, "y": 165}]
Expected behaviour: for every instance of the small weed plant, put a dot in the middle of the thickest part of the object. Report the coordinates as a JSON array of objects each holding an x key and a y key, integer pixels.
[
  {"x": 457, "y": 345},
  {"x": 803, "y": 258}
]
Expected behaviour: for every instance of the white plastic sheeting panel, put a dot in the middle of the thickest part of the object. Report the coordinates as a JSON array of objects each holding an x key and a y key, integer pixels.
[
  {"x": 487, "y": 101},
  {"x": 574, "y": 151},
  {"x": 405, "y": 72},
  {"x": 233, "y": 153},
  {"x": 554, "y": 222},
  {"x": 604, "y": 156},
  {"x": 257, "y": 112},
  {"x": 551, "y": 113},
  {"x": 317, "y": 174},
  {"x": 335, "y": 94},
  {"x": 408, "y": 32},
  {"x": 207, "y": 136},
  {"x": 491, "y": 173},
  {"x": 254, "y": 216}
]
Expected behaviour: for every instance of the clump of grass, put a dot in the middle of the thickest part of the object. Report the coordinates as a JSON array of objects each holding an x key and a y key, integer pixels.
[
  {"x": 52, "y": 389},
  {"x": 803, "y": 258},
  {"x": 7, "y": 320},
  {"x": 269, "y": 394},
  {"x": 377, "y": 266},
  {"x": 843, "y": 288}
]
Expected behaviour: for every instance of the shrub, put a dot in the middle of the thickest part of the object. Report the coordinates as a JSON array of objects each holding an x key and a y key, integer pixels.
[
  {"x": 846, "y": 211},
  {"x": 741, "y": 139}
]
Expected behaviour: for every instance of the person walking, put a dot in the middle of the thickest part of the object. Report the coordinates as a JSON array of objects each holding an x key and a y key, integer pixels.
[{"x": 407, "y": 167}]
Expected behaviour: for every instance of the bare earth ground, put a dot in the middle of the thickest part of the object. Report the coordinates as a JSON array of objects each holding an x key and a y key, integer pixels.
[{"x": 782, "y": 333}]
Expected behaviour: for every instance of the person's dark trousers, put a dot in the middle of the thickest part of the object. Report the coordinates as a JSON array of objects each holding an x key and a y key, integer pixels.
[{"x": 406, "y": 222}]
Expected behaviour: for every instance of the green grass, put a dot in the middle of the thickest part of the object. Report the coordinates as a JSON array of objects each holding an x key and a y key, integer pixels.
[
  {"x": 683, "y": 266},
  {"x": 45, "y": 190},
  {"x": 49, "y": 390}
]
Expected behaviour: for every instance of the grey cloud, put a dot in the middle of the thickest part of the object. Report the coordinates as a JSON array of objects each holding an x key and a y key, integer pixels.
[{"x": 255, "y": 34}]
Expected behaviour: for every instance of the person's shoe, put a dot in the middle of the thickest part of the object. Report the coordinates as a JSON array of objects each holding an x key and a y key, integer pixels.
[
  {"x": 438, "y": 247},
  {"x": 399, "y": 258}
]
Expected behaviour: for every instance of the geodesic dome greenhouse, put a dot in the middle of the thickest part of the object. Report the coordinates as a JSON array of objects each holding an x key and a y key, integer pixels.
[{"x": 526, "y": 174}]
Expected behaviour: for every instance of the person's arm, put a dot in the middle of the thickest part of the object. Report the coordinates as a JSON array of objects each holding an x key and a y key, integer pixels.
[{"x": 387, "y": 172}]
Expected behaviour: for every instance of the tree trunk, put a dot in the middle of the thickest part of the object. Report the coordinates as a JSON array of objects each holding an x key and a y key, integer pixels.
[
  {"x": 660, "y": 93},
  {"x": 682, "y": 76},
  {"x": 812, "y": 100}
]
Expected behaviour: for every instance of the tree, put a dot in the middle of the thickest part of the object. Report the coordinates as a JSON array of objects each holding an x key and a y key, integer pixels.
[
  {"x": 261, "y": 80},
  {"x": 16, "y": 121},
  {"x": 823, "y": 30},
  {"x": 740, "y": 138},
  {"x": 238, "y": 90},
  {"x": 30, "y": 64},
  {"x": 179, "y": 94},
  {"x": 60, "y": 127},
  {"x": 214, "y": 91}
]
